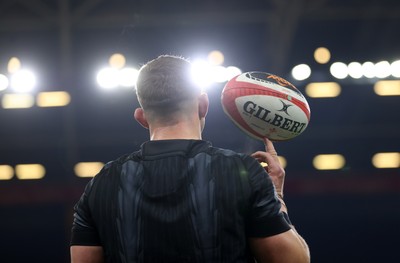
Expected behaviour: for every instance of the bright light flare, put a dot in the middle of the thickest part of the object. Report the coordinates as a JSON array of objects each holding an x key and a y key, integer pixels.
[
  {"x": 108, "y": 78},
  {"x": 339, "y": 70},
  {"x": 382, "y": 69},
  {"x": 355, "y": 70},
  {"x": 3, "y": 82},
  {"x": 232, "y": 72},
  {"x": 128, "y": 77},
  {"x": 201, "y": 73},
  {"x": 218, "y": 74},
  {"x": 395, "y": 69},
  {"x": 23, "y": 81},
  {"x": 204, "y": 74},
  {"x": 368, "y": 69},
  {"x": 301, "y": 72}
]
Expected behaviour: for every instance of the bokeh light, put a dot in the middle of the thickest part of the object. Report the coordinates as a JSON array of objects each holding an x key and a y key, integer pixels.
[
  {"x": 323, "y": 89},
  {"x": 128, "y": 77},
  {"x": 30, "y": 171},
  {"x": 386, "y": 160},
  {"x": 395, "y": 69},
  {"x": 368, "y": 69},
  {"x": 216, "y": 57},
  {"x": 301, "y": 72},
  {"x": 3, "y": 82},
  {"x": 339, "y": 70},
  {"x": 117, "y": 61},
  {"x": 17, "y": 101},
  {"x": 23, "y": 81},
  {"x": 355, "y": 70},
  {"x": 382, "y": 69},
  {"x": 14, "y": 65},
  {"x": 322, "y": 55},
  {"x": 329, "y": 161},
  {"x": 108, "y": 78},
  {"x": 387, "y": 88},
  {"x": 6, "y": 172},
  {"x": 53, "y": 99},
  {"x": 87, "y": 169},
  {"x": 201, "y": 73}
]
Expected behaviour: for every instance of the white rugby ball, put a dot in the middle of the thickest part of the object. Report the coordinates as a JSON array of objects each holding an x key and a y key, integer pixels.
[{"x": 265, "y": 105}]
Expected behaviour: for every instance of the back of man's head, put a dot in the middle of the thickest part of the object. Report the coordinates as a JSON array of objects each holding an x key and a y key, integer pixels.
[{"x": 165, "y": 86}]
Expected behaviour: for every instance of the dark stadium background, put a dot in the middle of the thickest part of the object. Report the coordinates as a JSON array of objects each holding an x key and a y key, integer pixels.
[{"x": 347, "y": 215}]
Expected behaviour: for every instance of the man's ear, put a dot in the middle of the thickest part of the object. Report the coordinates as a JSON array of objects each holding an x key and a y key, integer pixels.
[
  {"x": 203, "y": 105},
  {"x": 141, "y": 118}
]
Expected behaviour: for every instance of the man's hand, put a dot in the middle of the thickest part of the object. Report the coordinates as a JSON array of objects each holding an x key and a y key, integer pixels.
[
  {"x": 273, "y": 168},
  {"x": 288, "y": 246}
]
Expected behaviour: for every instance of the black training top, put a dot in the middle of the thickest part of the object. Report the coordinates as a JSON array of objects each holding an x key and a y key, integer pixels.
[{"x": 178, "y": 201}]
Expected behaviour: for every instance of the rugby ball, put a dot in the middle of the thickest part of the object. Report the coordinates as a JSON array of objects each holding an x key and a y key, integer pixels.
[{"x": 265, "y": 105}]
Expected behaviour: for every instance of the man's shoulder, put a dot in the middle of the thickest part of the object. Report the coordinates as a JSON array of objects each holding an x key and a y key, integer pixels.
[
  {"x": 117, "y": 163},
  {"x": 227, "y": 152},
  {"x": 223, "y": 151}
]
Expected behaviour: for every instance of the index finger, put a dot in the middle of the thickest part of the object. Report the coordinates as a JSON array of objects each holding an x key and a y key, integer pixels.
[{"x": 269, "y": 147}]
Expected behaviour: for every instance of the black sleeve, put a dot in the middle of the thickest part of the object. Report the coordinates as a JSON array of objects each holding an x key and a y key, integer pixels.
[
  {"x": 84, "y": 231},
  {"x": 264, "y": 218}
]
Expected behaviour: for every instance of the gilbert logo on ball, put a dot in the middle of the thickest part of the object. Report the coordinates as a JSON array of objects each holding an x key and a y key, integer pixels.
[{"x": 265, "y": 105}]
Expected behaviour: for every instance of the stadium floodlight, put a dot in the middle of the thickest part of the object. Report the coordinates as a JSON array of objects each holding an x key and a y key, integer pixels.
[
  {"x": 108, "y": 78},
  {"x": 387, "y": 87},
  {"x": 6, "y": 172},
  {"x": 386, "y": 160},
  {"x": 301, "y": 72},
  {"x": 329, "y": 162},
  {"x": 202, "y": 73},
  {"x": 368, "y": 69},
  {"x": 339, "y": 70},
  {"x": 355, "y": 70},
  {"x": 53, "y": 99},
  {"x": 382, "y": 69},
  {"x": 87, "y": 169},
  {"x": 17, "y": 101},
  {"x": 30, "y": 171},
  {"x": 128, "y": 77},
  {"x": 3, "y": 82},
  {"x": 232, "y": 72},
  {"x": 219, "y": 74},
  {"x": 23, "y": 81},
  {"x": 395, "y": 69},
  {"x": 323, "y": 89}
]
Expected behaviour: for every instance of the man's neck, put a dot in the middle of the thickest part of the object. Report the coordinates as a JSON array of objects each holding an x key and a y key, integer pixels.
[{"x": 180, "y": 130}]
